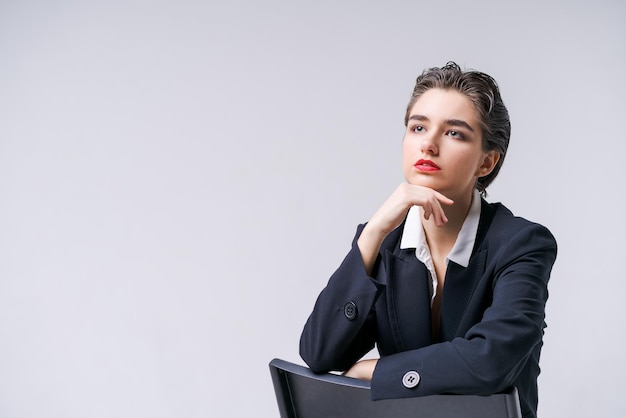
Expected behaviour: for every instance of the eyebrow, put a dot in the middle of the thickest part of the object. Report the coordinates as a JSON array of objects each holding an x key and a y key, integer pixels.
[{"x": 449, "y": 122}]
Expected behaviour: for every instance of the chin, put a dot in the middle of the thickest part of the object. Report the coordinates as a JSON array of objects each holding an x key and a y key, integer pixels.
[{"x": 422, "y": 182}]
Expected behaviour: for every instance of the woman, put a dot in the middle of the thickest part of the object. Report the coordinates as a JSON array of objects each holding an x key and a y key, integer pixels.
[{"x": 451, "y": 289}]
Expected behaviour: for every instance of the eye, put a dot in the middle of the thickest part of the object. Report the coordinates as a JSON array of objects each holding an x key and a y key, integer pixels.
[
  {"x": 417, "y": 128},
  {"x": 456, "y": 134}
]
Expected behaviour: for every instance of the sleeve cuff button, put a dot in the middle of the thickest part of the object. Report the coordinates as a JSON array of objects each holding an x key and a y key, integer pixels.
[
  {"x": 410, "y": 379},
  {"x": 349, "y": 310}
]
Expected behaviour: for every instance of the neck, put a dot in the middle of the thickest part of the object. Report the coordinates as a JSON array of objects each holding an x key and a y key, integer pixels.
[{"x": 444, "y": 237}]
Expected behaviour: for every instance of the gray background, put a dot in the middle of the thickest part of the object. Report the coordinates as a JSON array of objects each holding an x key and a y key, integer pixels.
[{"x": 178, "y": 179}]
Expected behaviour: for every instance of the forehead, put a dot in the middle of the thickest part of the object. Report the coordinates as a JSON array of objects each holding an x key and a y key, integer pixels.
[{"x": 445, "y": 104}]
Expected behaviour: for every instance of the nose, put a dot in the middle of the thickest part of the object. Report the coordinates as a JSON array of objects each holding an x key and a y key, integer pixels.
[{"x": 429, "y": 145}]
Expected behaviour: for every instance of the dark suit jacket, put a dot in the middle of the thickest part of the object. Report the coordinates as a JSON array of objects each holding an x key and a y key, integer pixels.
[{"x": 492, "y": 315}]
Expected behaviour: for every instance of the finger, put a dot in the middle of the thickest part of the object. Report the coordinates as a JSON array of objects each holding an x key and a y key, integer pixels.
[
  {"x": 443, "y": 199},
  {"x": 440, "y": 214},
  {"x": 427, "y": 211}
]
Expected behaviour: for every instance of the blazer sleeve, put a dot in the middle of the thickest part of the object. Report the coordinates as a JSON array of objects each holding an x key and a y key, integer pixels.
[
  {"x": 341, "y": 328},
  {"x": 490, "y": 355}
]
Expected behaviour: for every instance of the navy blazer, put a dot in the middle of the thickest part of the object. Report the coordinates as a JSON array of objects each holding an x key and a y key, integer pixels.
[{"x": 492, "y": 314}]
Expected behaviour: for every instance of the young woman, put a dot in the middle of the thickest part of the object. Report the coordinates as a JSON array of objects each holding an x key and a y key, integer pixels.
[{"x": 451, "y": 289}]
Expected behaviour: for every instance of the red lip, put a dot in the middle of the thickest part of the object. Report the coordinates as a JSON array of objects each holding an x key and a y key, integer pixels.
[{"x": 426, "y": 165}]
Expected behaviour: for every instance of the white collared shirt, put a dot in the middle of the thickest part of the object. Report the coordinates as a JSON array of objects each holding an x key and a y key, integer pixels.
[{"x": 413, "y": 236}]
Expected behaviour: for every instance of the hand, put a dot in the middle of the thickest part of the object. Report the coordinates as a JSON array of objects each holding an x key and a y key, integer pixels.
[
  {"x": 363, "y": 369},
  {"x": 391, "y": 214}
]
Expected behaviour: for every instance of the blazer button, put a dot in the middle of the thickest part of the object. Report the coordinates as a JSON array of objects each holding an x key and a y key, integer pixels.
[
  {"x": 410, "y": 379},
  {"x": 350, "y": 310}
]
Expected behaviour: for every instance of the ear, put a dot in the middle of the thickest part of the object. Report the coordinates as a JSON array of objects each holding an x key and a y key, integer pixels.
[{"x": 490, "y": 160}]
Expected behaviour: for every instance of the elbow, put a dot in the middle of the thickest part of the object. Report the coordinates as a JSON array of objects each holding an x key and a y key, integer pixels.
[
  {"x": 496, "y": 378},
  {"x": 310, "y": 353},
  {"x": 497, "y": 384},
  {"x": 487, "y": 383},
  {"x": 322, "y": 357},
  {"x": 314, "y": 357},
  {"x": 315, "y": 363}
]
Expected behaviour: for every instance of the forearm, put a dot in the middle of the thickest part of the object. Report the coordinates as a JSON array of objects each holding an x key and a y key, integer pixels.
[
  {"x": 334, "y": 337},
  {"x": 484, "y": 361},
  {"x": 363, "y": 369},
  {"x": 369, "y": 245}
]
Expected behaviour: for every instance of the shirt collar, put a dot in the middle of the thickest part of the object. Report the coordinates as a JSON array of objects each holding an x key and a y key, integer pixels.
[{"x": 413, "y": 233}]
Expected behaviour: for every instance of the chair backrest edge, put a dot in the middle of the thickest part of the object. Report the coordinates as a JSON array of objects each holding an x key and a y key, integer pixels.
[
  {"x": 513, "y": 408},
  {"x": 326, "y": 377},
  {"x": 284, "y": 399}
]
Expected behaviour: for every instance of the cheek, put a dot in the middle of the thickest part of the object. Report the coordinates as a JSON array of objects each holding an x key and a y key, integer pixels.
[
  {"x": 408, "y": 148},
  {"x": 409, "y": 157},
  {"x": 407, "y": 154}
]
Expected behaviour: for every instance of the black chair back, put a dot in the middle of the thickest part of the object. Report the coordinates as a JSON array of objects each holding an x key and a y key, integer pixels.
[{"x": 300, "y": 393}]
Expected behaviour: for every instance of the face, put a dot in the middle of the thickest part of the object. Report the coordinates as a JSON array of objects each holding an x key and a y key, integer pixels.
[{"x": 442, "y": 146}]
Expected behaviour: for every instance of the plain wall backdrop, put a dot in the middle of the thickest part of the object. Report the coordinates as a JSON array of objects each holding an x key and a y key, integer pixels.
[{"x": 178, "y": 180}]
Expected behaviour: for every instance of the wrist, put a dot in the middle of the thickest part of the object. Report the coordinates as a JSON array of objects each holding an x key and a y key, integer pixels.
[{"x": 374, "y": 233}]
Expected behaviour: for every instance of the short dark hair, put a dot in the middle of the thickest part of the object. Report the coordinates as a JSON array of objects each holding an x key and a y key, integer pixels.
[{"x": 483, "y": 92}]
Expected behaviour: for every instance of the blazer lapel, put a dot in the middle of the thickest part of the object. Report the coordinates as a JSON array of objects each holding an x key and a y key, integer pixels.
[
  {"x": 408, "y": 299},
  {"x": 461, "y": 283},
  {"x": 458, "y": 288},
  {"x": 408, "y": 289}
]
